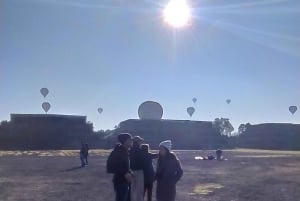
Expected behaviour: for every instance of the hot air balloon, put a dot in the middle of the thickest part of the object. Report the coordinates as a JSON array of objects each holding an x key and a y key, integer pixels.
[
  {"x": 228, "y": 101},
  {"x": 44, "y": 91},
  {"x": 150, "y": 110},
  {"x": 46, "y": 106},
  {"x": 293, "y": 109},
  {"x": 190, "y": 111},
  {"x": 100, "y": 110},
  {"x": 194, "y": 100}
]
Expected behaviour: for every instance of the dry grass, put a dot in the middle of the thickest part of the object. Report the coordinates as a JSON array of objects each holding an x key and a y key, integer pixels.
[
  {"x": 247, "y": 175},
  {"x": 99, "y": 152},
  {"x": 204, "y": 189}
]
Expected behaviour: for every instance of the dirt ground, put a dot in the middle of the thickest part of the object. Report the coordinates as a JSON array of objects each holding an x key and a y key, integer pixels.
[{"x": 247, "y": 175}]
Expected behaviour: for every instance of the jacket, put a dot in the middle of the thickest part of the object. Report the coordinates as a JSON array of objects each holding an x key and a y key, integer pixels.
[
  {"x": 149, "y": 173},
  {"x": 136, "y": 158},
  {"x": 122, "y": 164},
  {"x": 168, "y": 173}
]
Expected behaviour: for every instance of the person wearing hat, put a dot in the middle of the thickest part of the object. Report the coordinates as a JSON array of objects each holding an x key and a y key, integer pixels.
[
  {"x": 118, "y": 164},
  {"x": 168, "y": 172},
  {"x": 136, "y": 165}
]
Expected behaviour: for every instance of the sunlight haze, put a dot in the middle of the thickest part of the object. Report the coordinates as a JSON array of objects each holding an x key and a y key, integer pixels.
[{"x": 117, "y": 54}]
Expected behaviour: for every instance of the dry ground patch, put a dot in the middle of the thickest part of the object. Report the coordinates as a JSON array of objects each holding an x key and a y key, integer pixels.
[{"x": 247, "y": 175}]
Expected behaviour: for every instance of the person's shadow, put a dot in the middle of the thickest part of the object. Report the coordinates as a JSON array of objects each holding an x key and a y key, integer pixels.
[{"x": 73, "y": 168}]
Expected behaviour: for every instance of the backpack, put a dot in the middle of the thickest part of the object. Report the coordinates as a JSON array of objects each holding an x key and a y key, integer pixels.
[{"x": 111, "y": 163}]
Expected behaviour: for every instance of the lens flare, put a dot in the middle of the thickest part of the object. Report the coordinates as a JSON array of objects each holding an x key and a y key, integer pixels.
[{"x": 177, "y": 13}]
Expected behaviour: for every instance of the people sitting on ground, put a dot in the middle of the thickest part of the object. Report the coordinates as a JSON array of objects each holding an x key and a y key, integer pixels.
[
  {"x": 149, "y": 173},
  {"x": 218, "y": 157},
  {"x": 210, "y": 157}
]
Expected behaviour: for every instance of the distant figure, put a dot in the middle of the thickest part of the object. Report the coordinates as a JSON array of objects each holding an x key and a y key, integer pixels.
[
  {"x": 136, "y": 165},
  {"x": 118, "y": 164},
  {"x": 86, "y": 155},
  {"x": 82, "y": 154},
  {"x": 209, "y": 157},
  {"x": 168, "y": 172},
  {"x": 219, "y": 154},
  {"x": 218, "y": 157},
  {"x": 149, "y": 174}
]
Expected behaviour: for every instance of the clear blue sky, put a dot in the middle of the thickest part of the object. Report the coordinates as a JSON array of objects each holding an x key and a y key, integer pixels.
[{"x": 115, "y": 54}]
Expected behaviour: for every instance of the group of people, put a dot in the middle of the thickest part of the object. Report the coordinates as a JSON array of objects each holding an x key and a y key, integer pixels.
[
  {"x": 84, "y": 153},
  {"x": 218, "y": 156},
  {"x": 134, "y": 175}
]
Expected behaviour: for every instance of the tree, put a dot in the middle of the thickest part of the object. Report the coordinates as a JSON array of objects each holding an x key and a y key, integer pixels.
[
  {"x": 223, "y": 125},
  {"x": 242, "y": 128}
]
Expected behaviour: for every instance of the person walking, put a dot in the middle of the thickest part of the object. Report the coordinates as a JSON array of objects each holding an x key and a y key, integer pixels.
[
  {"x": 136, "y": 165},
  {"x": 168, "y": 172},
  {"x": 118, "y": 164},
  {"x": 149, "y": 174}
]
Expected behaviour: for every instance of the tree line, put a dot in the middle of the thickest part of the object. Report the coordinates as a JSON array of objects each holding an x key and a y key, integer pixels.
[{"x": 184, "y": 134}]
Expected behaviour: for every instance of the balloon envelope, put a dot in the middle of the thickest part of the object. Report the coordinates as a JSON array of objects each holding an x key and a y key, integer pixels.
[
  {"x": 44, "y": 91},
  {"x": 228, "y": 101},
  {"x": 46, "y": 106},
  {"x": 150, "y": 110},
  {"x": 194, "y": 100},
  {"x": 190, "y": 111},
  {"x": 293, "y": 109},
  {"x": 100, "y": 110}
]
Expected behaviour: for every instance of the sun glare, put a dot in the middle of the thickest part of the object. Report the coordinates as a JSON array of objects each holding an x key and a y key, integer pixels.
[{"x": 177, "y": 13}]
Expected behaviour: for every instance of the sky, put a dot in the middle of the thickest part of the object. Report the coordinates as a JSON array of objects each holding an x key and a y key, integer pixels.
[{"x": 116, "y": 54}]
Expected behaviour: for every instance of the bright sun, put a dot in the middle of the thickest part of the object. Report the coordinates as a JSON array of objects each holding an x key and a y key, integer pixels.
[{"x": 177, "y": 13}]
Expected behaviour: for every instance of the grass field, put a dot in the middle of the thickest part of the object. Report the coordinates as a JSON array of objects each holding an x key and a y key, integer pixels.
[{"x": 247, "y": 175}]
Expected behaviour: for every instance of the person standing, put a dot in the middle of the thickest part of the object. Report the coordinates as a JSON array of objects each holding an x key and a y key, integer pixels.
[
  {"x": 168, "y": 172},
  {"x": 149, "y": 174},
  {"x": 219, "y": 154},
  {"x": 86, "y": 153},
  {"x": 136, "y": 165},
  {"x": 82, "y": 154},
  {"x": 118, "y": 164}
]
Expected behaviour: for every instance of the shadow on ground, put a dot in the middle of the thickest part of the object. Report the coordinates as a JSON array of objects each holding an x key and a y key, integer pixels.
[{"x": 73, "y": 168}]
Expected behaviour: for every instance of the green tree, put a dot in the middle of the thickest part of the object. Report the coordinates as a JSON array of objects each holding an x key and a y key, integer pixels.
[{"x": 223, "y": 125}]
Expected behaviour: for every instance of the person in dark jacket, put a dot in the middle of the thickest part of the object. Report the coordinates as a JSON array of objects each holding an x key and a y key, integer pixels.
[
  {"x": 86, "y": 154},
  {"x": 82, "y": 154},
  {"x": 149, "y": 174},
  {"x": 122, "y": 174},
  {"x": 219, "y": 154},
  {"x": 168, "y": 172},
  {"x": 136, "y": 165}
]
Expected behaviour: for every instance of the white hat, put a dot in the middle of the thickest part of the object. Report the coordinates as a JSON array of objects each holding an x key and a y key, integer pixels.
[{"x": 167, "y": 144}]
